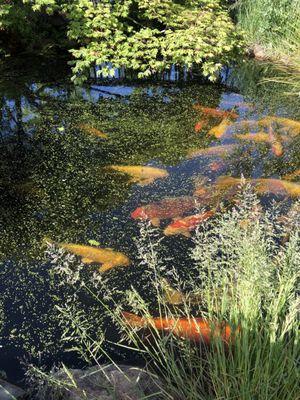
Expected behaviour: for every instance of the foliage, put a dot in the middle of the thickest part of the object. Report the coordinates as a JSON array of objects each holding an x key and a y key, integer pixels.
[
  {"x": 269, "y": 23},
  {"x": 146, "y": 36},
  {"x": 246, "y": 274},
  {"x": 24, "y": 28}
]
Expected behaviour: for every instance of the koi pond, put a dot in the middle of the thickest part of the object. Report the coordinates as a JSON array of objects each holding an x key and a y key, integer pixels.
[{"x": 85, "y": 165}]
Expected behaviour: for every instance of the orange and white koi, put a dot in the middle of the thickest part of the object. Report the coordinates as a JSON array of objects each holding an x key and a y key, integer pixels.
[
  {"x": 195, "y": 329},
  {"x": 185, "y": 225}
]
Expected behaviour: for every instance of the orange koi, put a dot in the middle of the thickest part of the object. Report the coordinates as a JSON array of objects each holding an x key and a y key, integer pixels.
[
  {"x": 214, "y": 112},
  {"x": 195, "y": 329},
  {"x": 170, "y": 207},
  {"x": 185, "y": 225},
  {"x": 276, "y": 145}
]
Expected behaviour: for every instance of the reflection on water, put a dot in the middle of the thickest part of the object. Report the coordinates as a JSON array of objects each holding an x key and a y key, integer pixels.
[{"x": 62, "y": 176}]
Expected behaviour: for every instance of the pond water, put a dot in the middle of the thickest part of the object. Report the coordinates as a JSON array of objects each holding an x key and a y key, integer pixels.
[{"x": 55, "y": 180}]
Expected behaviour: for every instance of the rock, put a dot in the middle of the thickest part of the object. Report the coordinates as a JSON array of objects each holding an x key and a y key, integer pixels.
[
  {"x": 105, "y": 383},
  {"x": 9, "y": 391}
]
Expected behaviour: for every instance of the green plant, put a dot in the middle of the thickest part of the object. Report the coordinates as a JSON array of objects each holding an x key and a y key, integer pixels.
[
  {"x": 268, "y": 23},
  {"x": 245, "y": 272},
  {"x": 144, "y": 36}
]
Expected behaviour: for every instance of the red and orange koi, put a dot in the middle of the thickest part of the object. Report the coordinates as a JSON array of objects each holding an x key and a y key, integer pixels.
[
  {"x": 195, "y": 329},
  {"x": 185, "y": 225},
  {"x": 215, "y": 112},
  {"x": 170, "y": 207}
]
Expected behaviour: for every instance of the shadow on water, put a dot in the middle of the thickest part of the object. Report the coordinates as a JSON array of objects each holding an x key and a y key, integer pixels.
[{"x": 54, "y": 180}]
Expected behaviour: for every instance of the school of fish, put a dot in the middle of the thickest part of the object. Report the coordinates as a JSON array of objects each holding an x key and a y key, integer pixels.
[{"x": 177, "y": 213}]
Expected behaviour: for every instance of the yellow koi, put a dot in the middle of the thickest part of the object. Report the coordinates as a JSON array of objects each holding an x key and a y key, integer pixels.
[
  {"x": 140, "y": 174},
  {"x": 109, "y": 258},
  {"x": 219, "y": 130},
  {"x": 291, "y": 124}
]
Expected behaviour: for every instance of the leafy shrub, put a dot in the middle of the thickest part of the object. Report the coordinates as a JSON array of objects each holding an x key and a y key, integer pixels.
[{"x": 145, "y": 36}]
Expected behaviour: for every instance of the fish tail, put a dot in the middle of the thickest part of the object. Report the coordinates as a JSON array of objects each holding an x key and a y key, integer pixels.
[{"x": 133, "y": 320}]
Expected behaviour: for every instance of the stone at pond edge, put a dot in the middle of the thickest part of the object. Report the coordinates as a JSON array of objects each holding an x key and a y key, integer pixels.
[
  {"x": 9, "y": 391},
  {"x": 107, "y": 383}
]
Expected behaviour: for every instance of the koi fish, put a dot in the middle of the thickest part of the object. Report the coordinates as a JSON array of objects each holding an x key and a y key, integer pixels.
[
  {"x": 140, "y": 174},
  {"x": 195, "y": 329},
  {"x": 214, "y": 112},
  {"x": 292, "y": 176},
  {"x": 219, "y": 130},
  {"x": 277, "y": 186},
  {"x": 262, "y": 137},
  {"x": 220, "y": 151},
  {"x": 291, "y": 124},
  {"x": 200, "y": 125},
  {"x": 170, "y": 207},
  {"x": 185, "y": 225},
  {"x": 92, "y": 131},
  {"x": 262, "y": 185},
  {"x": 109, "y": 258}
]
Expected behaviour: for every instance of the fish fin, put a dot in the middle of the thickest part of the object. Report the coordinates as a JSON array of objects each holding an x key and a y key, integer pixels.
[
  {"x": 106, "y": 267},
  {"x": 155, "y": 222},
  {"x": 87, "y": 260},
  {"x": 145, "y": 182},
  {"x": 186, "y": 234}
]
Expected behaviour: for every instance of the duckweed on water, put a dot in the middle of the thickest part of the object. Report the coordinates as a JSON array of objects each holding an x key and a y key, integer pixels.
[{"x": 55, "y": 182}]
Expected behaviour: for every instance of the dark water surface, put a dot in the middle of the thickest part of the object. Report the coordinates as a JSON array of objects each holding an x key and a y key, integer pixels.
[{"x": 53, "y": 180}]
